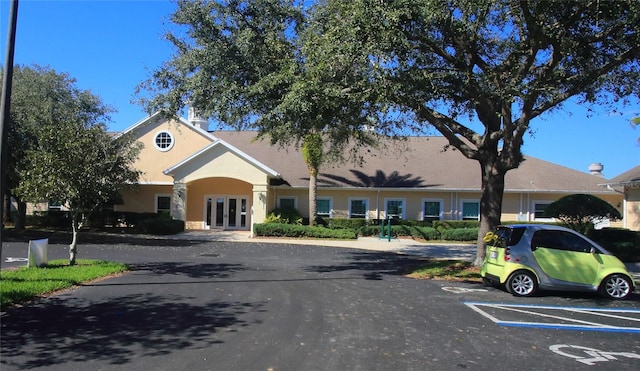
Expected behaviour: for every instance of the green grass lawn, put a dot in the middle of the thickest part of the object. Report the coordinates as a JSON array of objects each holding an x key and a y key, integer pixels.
[{"x": 24, "y": 284}]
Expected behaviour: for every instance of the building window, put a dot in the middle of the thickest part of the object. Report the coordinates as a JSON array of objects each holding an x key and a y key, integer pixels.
[
  {"x": 163, "y": 141},
  {"x": 359, "y": 208},
  {"x": 54, "y": 206},
  {"x": 470, "y": 210},
  {"x": 431, "y": 210},
  {"x": 394, "y": 208},
  {"x": 287, "y": 202},
  {"x": 323, "y": 207},
  {"x": 538, "y": 211},
  {"x": 163, "y": 204}
]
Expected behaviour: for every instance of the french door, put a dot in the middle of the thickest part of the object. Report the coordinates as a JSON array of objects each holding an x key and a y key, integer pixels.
[{"x": 226, "y": 212}]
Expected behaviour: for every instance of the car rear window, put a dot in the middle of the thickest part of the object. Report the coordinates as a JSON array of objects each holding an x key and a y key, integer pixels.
[{"x": 511, "y": 235}]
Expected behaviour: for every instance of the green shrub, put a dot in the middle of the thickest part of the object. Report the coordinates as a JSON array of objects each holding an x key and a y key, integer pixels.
[
  {"x": 285, "y": 215},
  {"x": 344, "y": 223},
  {"x": 369, "y": 230},
  {"x": 459, "y": 234},
  {"x": 454, "y": 224},
  {"x": 412, "y": 223},
  {"x": 425, "y": 233},
  {"x": 623, "y": 243},
  {"x": 301, "y": 231},
  {"x": 162, "y": 227},
  {"x": 52, "y": 219}
]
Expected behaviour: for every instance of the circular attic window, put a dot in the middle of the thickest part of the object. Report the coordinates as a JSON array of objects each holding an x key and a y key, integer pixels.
[{"x": 163, "y": 141}]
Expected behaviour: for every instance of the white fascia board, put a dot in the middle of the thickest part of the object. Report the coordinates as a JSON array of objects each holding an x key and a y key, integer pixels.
[
  {"x": 198, "y": 130},
  {"x": 140, "y": 123},
  {"x": 181, "y": 120},
  {"x": 231, "y": 148},
  {"x": 154, "y": 183}
]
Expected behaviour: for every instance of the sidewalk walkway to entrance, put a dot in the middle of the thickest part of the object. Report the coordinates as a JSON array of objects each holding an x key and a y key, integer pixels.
[{"x": 395, "y": 245}]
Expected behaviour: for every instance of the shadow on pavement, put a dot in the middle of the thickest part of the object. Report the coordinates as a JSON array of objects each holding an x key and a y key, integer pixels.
[
  {"x": 374, "y": 265},
  {"x": 117, "y": 332}
]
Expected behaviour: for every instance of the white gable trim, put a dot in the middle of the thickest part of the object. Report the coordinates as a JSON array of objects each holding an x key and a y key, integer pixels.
[
  {"x": 183, "y": 123},
  {"x": 219, "y": 142}
]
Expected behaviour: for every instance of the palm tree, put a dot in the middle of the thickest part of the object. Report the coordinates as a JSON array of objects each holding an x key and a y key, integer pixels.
[{"x": 313, "y": 155}]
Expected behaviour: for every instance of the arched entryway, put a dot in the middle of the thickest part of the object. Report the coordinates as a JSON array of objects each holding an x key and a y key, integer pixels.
[{"x": 219, "y": 203}]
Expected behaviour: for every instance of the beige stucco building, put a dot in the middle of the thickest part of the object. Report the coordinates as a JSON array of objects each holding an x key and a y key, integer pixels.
[
  {"x": 228, "y": 180},
  {"x": 628, "y": 184}
]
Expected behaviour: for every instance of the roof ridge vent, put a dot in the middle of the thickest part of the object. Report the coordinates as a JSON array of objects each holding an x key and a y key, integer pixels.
[{"x": 596, "y": 169}]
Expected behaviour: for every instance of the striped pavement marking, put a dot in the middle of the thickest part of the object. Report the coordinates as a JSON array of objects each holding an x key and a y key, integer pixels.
[{"x": 626, "y": 320}]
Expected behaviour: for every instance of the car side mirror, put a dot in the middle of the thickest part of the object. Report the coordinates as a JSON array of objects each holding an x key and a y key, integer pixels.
[{"x": 593, "y": 250}]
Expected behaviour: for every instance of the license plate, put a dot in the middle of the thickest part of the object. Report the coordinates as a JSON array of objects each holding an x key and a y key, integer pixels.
[{"x": 493, "y": 255}]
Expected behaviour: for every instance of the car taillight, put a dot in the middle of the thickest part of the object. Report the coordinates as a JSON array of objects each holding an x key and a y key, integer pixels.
[{"x": 507, "y": 254}]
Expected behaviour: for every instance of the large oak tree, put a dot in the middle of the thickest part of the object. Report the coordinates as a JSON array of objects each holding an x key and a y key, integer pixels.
[
  {"x": 500, "y": 63},
  {"x": 338, "y": 66}
]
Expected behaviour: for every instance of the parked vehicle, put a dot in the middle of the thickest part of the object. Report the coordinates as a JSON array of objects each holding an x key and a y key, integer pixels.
[{"x": 528, "y": 257}]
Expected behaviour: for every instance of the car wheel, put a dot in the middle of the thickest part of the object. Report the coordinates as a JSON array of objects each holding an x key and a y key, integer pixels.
[
  {"x": 487, "y": 282},
  {"x": 616, "y": 286},
  {"x": 522, "y": 283}
]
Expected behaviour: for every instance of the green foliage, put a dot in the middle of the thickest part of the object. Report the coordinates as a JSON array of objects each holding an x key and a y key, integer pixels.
[
  {"x": 257, "y": 59},
  {"x": 459, "y": 234},
  {"x": 452, "y": 224},
  {"x": 623, "y": 243},
  {"x": 351, "y": 223},
  {"x": 312, "y": 152},
  {"x": 286, "y": 215},
  {"x": 340, "y": 67},
  {"x": 579, "y": 211},
  {"x": 161, "y": 225},
  {"x": 65, "y": 152},
  {"x": 24, "y": 284},
  {"x": 300, "y": 231}
]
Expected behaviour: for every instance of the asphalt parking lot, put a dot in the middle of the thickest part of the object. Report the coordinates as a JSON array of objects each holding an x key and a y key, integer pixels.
[{"x": 237, "y": 305}]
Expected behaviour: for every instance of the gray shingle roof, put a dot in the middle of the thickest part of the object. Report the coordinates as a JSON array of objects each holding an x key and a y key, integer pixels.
[
  {"x": 420, "y": 162},
  {"x": 631, "y": 177}
]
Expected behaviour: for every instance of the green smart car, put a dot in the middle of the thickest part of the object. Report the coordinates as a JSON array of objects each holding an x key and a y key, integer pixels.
[{"x": 528, "y": 257}]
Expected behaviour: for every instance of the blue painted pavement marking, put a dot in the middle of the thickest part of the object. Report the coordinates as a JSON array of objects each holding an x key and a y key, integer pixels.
[{"x": 624, "y": 320}]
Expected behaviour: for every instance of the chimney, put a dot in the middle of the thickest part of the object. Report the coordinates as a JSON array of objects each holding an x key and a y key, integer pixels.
[
  {"x": 596, "y": 169},
  {"x": 196, "y": 120}
]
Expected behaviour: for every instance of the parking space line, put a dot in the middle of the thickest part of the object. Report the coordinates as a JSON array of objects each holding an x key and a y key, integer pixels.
[{"x": 558, "y": 320}]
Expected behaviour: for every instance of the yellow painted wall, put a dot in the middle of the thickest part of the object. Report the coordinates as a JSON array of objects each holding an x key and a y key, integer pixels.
[
  {"x": 153, "y": 162},
  {"x": 142, "y": 200},
  {"x": 220, "y": 162},
  {"x": 516, "y": 206},
  {"x": 633, "y": 209}
]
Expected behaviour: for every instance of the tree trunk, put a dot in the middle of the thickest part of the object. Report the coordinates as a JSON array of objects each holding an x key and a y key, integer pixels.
[
  {"x": 6, "y": 212},
  {"x": 313, "y": 198},
  {"x": 490, "y": 203},
  {"x": 21, "y": 222},
  {"x": 73, "y": 247}
]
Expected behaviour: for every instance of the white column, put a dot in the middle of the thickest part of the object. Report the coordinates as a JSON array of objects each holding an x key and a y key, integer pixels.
[
  {"x": 179, "y": 202},
  {"x": 259, "y": 204}
]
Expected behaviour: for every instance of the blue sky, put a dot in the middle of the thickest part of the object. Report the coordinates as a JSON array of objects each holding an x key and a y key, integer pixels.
[{"x": 110, "y": 46}]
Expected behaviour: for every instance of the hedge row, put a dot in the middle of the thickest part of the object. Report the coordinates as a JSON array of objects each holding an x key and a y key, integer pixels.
[
  {"x": 424, "y": 233},
  {"x": 301, "y": 231},
  {"x": 623, "y": 243},
  {"x": 146, "y": 223},
  {"x": 360, "y": 223}
]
